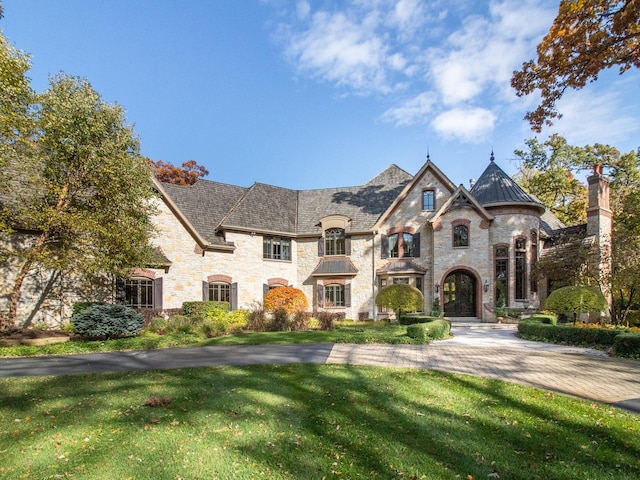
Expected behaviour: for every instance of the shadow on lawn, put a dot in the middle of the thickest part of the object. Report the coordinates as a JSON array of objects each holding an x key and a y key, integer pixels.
[{"x": 359, "y": 422}]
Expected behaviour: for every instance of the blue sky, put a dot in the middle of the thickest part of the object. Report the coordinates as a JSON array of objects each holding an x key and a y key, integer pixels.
[{"x": 313, "y": 94}]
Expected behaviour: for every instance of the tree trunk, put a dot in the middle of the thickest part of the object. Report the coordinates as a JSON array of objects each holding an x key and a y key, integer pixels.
[{"x": 12, "y": 317}]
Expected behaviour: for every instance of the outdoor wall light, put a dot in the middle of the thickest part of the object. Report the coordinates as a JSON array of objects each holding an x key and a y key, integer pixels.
[
  {"x": 486, "y": 286},
  {"x": 437, "y": 287}
]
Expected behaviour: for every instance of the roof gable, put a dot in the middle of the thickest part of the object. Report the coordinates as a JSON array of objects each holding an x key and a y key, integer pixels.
[
  {"x": 429, "y": 166},
  {"x": 461, "y": 198}
]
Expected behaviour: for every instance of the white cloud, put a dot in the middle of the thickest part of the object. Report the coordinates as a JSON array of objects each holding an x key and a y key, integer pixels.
[
  {"x": 594, "y": 116},
  {"x": 414, "y": 110},
  {"x": 303, "y": 8},
  {"x": 337, "y": 49},
  {"x": 469, "y": 125}
]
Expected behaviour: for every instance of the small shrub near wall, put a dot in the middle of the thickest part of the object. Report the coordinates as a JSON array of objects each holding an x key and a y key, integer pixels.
[
  {"x": 204, "y": 309},
  {"x": 327, "y": 320},
  {"x": 533, "y": 328},
  {"x": 107, "y": 321},
  {"x": 413, "y": 319}
]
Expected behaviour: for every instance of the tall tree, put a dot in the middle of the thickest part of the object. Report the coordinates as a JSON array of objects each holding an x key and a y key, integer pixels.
[
  {"x": 586, "y": 37},
  {"x": 188, "y": 174},
  {"x": 572, "y": 261},
  {"x": 84, "y": 190},
  {"x": 546, "y": 170},
  {"x": 16, "y": 97}
]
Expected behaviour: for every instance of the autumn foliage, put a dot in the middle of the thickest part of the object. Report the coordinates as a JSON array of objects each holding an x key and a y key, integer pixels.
[
  {"x": 288, "y": 298},
  {"x": 188, "y": 174},
  {"x": 586, "y": 37}
]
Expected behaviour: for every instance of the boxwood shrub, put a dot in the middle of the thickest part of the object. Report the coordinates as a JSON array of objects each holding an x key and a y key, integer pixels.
[
  {"x": 433, "y": 330},
  {"x": 412, "y": 319},
  {"x": 204, "y": 309},
  {"x": 534, "y": 328},
  {"x": 627, "y": 345},
  {"x": 107, "y": 321}
]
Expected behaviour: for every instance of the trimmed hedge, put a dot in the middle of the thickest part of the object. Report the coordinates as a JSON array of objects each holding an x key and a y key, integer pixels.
[
  {"x": 624, "y": 343},
  {"x": 413, "y": 319},
  {"x": 107, "y": 321},
  {"x": 534, "y": 328},
  {"x": 627, "y": 345},
  {"x": 433, "y": 330},
  {"x": 204, "y": 309}
]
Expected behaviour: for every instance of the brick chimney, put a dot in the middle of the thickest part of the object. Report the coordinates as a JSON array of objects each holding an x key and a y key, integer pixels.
[{"x": 599, "y": 223}]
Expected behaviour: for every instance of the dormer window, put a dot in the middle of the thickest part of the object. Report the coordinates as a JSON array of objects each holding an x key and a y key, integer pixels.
[{"x": 334, "y": 241}]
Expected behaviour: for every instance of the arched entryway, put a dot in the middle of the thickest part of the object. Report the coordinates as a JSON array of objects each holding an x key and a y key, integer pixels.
[{"x": 459, "y": 294}]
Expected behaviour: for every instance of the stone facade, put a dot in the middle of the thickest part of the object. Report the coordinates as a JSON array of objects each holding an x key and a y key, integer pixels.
[{"x": 226, "y": 242}]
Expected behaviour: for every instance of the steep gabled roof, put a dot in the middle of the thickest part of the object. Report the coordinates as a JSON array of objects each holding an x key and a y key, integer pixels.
[
  {"x": 363, "y": 204},
  {"x": 461, "y": 198},
  {"x": 429, "y": 166},
  {"x": 264, "y": 208},
  {"x": 495, "y": 187},
  {"x": 203, "y": 205}
]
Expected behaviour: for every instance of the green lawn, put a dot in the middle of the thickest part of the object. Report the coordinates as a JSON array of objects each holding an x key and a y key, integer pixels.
[
  {"x": 349, "y": 332},
  {"x": 306, "y": 422}
]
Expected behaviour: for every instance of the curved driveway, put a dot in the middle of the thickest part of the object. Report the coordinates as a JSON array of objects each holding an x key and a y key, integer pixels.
[{"x": 481, "y": 350}]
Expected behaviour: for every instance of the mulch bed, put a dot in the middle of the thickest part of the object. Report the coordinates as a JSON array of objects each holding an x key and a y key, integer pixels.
[{"x": 20, "y": 333}]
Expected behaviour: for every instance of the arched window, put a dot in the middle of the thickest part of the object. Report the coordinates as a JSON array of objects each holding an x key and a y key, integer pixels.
[
  {"x": 501, "y": 260},
  {"x": 460, "y": 236},
  {"x": 534, "y": 261},
  {"x": 219, "y": 292},
  {"x": 521, "y": 268},
  {"x": 334, "y": 239}
]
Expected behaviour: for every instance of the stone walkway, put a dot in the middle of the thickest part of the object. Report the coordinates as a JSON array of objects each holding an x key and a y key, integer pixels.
[{"x": 481, "y": 351}]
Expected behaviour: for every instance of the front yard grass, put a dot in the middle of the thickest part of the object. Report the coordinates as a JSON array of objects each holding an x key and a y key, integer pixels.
[
  {"x": 347, "y": 332},
  {"x": 306, "y": 422}
]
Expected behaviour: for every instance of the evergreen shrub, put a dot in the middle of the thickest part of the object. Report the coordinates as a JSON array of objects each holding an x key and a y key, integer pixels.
[
  {"x": 107, "y": 321},
  {"x": 433, "y": 330},
  {"x": 627, "y": 345}
]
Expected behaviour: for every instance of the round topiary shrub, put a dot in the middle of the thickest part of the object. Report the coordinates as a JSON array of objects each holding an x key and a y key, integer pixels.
[
  {"x": 289, "y": 299},
  {"x": 107, "y": 321}
]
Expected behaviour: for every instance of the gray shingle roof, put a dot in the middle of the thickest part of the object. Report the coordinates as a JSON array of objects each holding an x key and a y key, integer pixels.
[
  {"x": 495, "y": 186},
  {"x": 265, "y": 208},
  {"x": 209, "y": 205},
  {"x": 205, "y": 204},
  {"x": 363, "y": 204}
]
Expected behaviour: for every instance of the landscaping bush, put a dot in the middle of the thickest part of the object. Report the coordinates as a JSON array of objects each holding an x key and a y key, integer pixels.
[
  {"x": 79, "y": 307},
  {"x": 257, "y": 317},
  {"x": 400, "y": 298},
  {"x": 279, "y": 321},
  {"x": 157, "y": 325},
  {"x": 433, "y": 330},
  {"x": 107, "y": 321},
  {"x": 224, "y": 323},
  {"x": 413, "y": 319},
  {"x": 204, "y": 309},
  {"x": 327, "y": 320},
  {"x": 534, "y": 329},
  {"x": 627, "y": 345},
  {"x": 289, "y": 299},
  {"x": 300, "y": 321},
  {"x": 576, "y": 299},
  {"x": 436, "y": 310},
  {"x": 149, "y": 314},
  {"x": 183, "y": 324}
]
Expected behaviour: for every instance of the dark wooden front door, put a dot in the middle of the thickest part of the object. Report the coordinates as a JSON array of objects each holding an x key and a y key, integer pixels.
[{"x": 460, "y": 295}]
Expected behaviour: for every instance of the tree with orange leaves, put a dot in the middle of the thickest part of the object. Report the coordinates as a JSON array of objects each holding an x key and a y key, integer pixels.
[
  {"x": 586, "y": 37},
  {"x": 188, "y": 174},
  {"x": 290, "y": 299}
]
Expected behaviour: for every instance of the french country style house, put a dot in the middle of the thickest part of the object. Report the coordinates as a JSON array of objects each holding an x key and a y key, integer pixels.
[{"x": 472, "y": 248}]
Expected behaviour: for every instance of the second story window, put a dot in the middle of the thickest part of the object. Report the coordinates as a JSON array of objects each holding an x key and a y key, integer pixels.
[
  {"x": 334, "y": 240},
  {"x": 276, "y": 248},
  {"x": 461, "y": 236},
  {"x": 428, "y": 200},
  {"x": 401, "y": 245}
]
